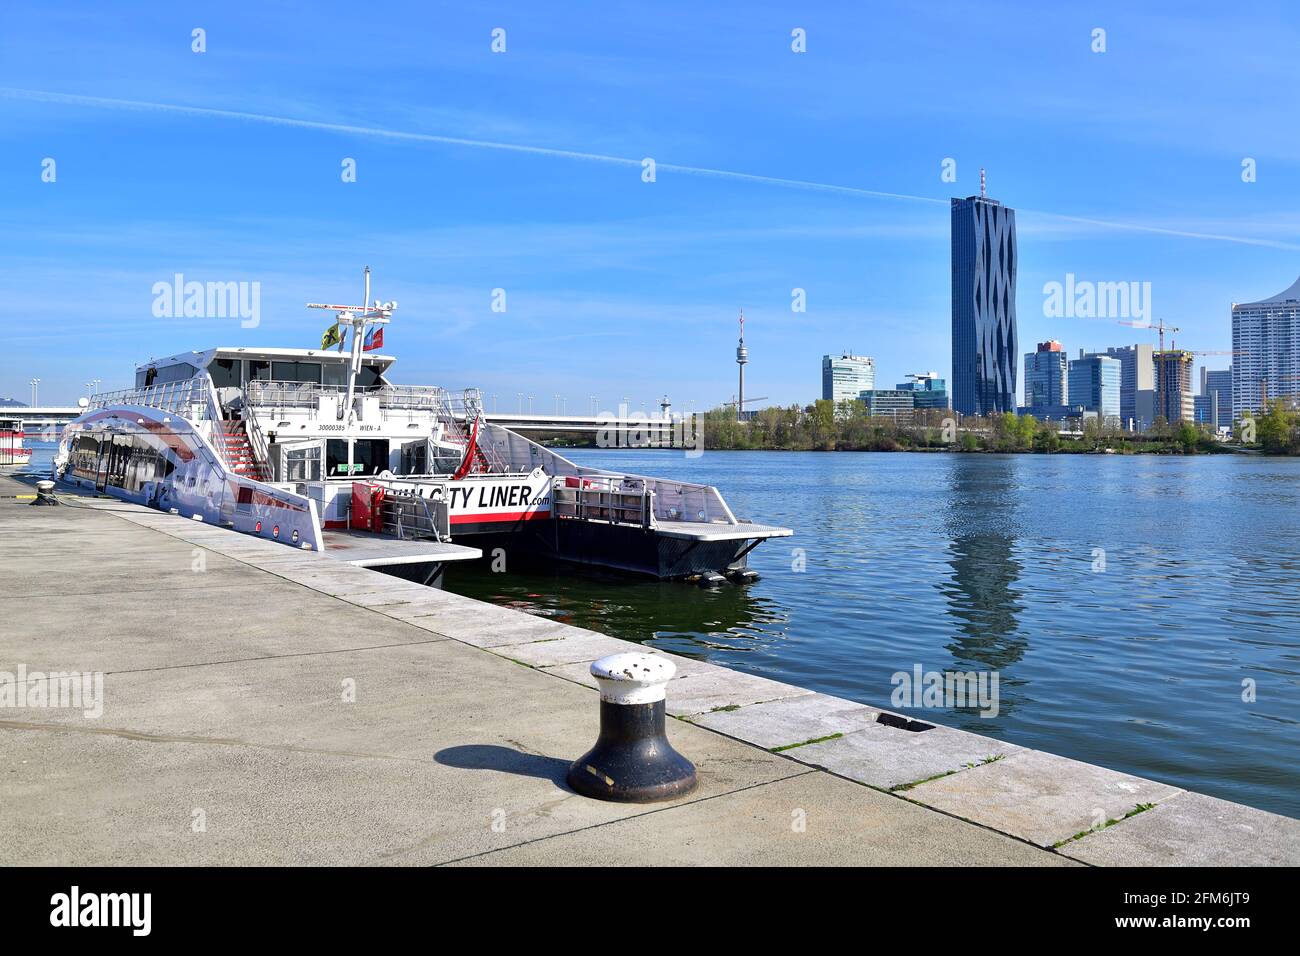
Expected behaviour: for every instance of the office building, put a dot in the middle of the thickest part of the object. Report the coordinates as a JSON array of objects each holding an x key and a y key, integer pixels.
[
  {"x": 1070, "y": 415},
  {"x": 1094, "y": 382},
  {"x": 1216, "y": 389},
  {"x": 927, "y": 388},
  {"x": 1266, "y": 351},
  {"x": 1203, "y": 409},
  {"x": 1175, "y": 400},
  {"x": 843, "y": 377},
  {"x": 984, "y": 347},
  {"x": 1046, "y": 380},
  {"x": 888, "y": 402},
  {"x": 1137, "y": 384}
]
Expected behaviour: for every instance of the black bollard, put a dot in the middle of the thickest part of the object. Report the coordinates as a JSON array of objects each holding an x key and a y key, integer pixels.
[
  {"x": 632, "y": 762},
  {"x": 45, "y": 493}
]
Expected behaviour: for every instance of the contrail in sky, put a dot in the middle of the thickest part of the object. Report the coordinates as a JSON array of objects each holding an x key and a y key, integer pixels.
[{"x": 72, "y": 99}]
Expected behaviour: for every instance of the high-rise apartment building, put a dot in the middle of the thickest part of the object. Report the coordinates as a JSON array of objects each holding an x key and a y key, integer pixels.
[{"x": 1266, "y": 351}]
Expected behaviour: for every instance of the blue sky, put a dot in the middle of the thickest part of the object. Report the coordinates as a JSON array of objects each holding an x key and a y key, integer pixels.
[{"x": 523, "y": 173}]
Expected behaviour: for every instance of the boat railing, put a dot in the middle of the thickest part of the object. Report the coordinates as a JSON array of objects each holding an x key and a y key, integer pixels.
[
  {"x": 671, "y": 500},
  {"x": 410, "y": 516},
  {"x": 189, "y": 398},
  {"x": 686, "y": 501},
  {"x": 307, "y": 395},
  {"x": 458, "y": 411},
  {"x": 604, "y": 500}
]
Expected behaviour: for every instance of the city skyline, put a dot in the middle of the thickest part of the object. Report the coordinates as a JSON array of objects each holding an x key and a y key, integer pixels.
[{"x": 189, "y": 163}]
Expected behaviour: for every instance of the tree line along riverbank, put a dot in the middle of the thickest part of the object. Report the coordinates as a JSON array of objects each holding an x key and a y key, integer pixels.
[{"x": 823, "y": 427}]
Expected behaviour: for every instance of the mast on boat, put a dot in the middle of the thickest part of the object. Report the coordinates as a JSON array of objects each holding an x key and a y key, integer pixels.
[{"x": 358, "y": 318}]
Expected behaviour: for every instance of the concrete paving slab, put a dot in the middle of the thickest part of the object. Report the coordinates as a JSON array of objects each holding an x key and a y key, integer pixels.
[
  {"x": 491, "y": 630},
  {"x": 888, "y": 757},
  {"x": 1040, "y": 797},
  {"x": 446, "y": 752},
  {"x": 1191, "y": 829},
  {"x": 792, "y": 720},
  {"x": 699, "y": 687},
  {"x": 259, "y": 618},
  {"x": 801, "y": 821},
  {"x": 574, "y": 646},
  {"x": 384, "y": 592},
  {"x": 430, "y": 603}
]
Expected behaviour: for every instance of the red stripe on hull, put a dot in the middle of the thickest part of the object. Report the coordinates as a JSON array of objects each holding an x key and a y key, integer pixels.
[{"x": 500, "y": 516}]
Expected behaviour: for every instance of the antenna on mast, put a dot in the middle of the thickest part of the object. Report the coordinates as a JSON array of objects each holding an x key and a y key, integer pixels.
[
  {"x": 358, "y": 318},
  {"x": 983, "y": 192}
]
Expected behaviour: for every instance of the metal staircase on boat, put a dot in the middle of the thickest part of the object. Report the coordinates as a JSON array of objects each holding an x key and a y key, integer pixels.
[{"x": 237, "y": 450}]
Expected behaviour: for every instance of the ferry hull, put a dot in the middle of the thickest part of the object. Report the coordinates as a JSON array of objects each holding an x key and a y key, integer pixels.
[{"x": 632, "y": 550}]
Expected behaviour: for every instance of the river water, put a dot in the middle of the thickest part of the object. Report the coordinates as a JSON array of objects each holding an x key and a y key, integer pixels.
[{"x": 1129, "y": 605}]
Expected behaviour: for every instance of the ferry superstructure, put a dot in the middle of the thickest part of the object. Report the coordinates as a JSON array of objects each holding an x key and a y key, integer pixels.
[{"x": 318, "y": 449}]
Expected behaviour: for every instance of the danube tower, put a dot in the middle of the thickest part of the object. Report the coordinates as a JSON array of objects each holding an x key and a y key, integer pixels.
[{"x": 742, "y": 359}]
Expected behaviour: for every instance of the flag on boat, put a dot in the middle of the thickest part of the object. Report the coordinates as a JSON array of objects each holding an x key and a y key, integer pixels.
[
  {"x": 331, "y": 336},
  {"x": 374, "y": 339}
]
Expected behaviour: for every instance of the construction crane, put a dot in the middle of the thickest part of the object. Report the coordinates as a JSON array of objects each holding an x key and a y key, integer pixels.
[
  {"x": 1160, "y": 327},
  {"x": 746, "y": 401}
]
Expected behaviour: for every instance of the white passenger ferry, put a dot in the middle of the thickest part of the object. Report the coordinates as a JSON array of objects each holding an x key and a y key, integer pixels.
[
  {"x": 319, "y": 450},
  {"x": 12, "y": 450}
]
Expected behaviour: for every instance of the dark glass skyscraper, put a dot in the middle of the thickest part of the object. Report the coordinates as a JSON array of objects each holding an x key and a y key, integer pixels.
[{"x": 983, "y": 306}]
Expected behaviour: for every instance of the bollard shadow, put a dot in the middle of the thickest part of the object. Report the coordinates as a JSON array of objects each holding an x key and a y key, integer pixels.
[{"x": 506, "y": 760}]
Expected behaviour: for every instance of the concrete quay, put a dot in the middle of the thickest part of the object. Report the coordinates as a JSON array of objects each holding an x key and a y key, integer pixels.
[{"x": 266, "y": 706}]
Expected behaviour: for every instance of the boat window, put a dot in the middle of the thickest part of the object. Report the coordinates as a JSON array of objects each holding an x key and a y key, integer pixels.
[
  {"x": 178, "y": 372},
  {"x": 118, "y": 459},
  {"x": 334, "y": 373},
  {"x": 225, "y": 373},
  {"x": 302, "y": 464},
  {"x": 415, "y": 458},
  {"x": 370, "y": 455},
  {"x": 143, "y": 464},
  {"x": 296, "y": 372},
  {"x": 368, "y": 377},
  {"x": 259, "y": 371},
  {"x": 85, "y": 456}
]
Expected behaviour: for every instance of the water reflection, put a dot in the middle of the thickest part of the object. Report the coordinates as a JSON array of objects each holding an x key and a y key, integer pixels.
[
  {"x": 667, "y": 615},
  {"x": 982, "y": 598}
]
